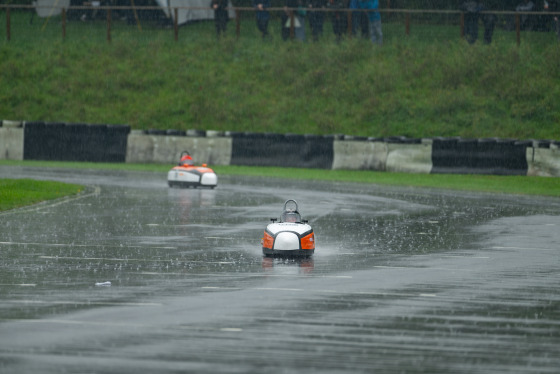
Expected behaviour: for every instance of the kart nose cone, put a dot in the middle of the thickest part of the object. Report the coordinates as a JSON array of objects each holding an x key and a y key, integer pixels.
[
  {"x": 209, "y": 179},
  {"x": 286, "y": 241}
]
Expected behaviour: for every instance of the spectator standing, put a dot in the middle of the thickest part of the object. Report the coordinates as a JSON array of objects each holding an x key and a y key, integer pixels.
[
  {"x": 472, "y": 10},
  {"x": 221, "y": 15},
  {"x": 372, "y": 19},
  {"x": 317, "y": 17},
  {"x": 296, "y": 8},
  {"x": 285, "y": 24},
  {"x": 489, "y": 21},
  {"x": 553, "y": 6},
  {"x": 525, "y": 6},
  {"x": 339, "y": 17},
  {"x": 263, "y": 16},
  {"x": 359, "y": 19}
]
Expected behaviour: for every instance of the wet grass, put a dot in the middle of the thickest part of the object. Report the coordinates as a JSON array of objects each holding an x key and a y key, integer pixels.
[
  {"x": 15, "y": 193},
  {"x": 429, "y": 83},
  {"x": 480, "y": 183},
  {"x": 523, "y": 185}
]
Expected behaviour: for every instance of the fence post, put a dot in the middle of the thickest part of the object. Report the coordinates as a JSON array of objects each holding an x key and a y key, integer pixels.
[
  {"x": 237, "y": 23},
  {"x": 63, "y": 23},
  {"x": 462, "y": 25},
  {"x": 407, "y": 24},
  {"x": 8, "y": 35},
  {"x": 349, "y": 22},
  {"x": 517, "y": 29},
  {"x": 292, "y": 26},
  {"x": 109, "y": 25},
  {"x": 176, "y": 24}
]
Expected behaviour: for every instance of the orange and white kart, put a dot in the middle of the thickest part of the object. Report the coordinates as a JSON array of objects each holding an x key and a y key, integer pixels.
[
  {"x": 291, "y": 236},
  {"x": 186, "y": 174}
]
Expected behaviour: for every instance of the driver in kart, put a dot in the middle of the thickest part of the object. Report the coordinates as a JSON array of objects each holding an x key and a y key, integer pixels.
[
  {"x": 186, "y": 160},
  {"x": 291, "y": 216}
]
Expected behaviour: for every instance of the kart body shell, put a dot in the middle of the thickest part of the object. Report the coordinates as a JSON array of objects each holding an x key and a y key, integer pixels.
[
  {"x": 291, "y": 236},
  {"x": 186, "y": 174}
]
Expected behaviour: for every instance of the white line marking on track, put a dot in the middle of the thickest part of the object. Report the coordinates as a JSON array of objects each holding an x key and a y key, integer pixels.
[
  {"x": 364, "y": 293},
  {"x": 247, "y": 275},
  {"x": 70, "y": 322},
  {"x": 530, "y": 248},
  {"x": 231, "y": 329},
  {"x": 70, "y": 302},
  {"x": 102, "y": 258},
  {"x": 422, "y": 268},
  {"x": 84, "y": 245},
  {"x": 117, "y": 324}
]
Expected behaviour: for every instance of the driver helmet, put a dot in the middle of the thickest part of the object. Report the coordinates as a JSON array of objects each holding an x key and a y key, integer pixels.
[
  {"x": 291, "y": 216},
  {"x": 186, "y": 160},
  {"x": 290, "y": 213}
]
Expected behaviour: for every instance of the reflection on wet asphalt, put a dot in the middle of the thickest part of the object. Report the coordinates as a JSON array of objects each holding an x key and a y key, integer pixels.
[{"x": 403, "y": 280}]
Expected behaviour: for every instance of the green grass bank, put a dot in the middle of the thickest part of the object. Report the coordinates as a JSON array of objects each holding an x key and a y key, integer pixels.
[
  {"x": 522, "y": 185},
  {"x": 15, "y": 193},
  {"x": 429, "y": 83}
]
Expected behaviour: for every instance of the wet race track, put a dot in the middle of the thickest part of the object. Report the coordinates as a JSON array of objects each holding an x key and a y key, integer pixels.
[{"x": 403, "y": 280}]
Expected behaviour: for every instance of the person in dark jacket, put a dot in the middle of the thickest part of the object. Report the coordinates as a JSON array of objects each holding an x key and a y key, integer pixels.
[
  {"x": 525, "y": 6},
  {"x": 472, "y": 10},
  {"x": 220, "y": 15},
  {"x": 339, "y": 17},
  {"x": 489, "y": 21},
  {"x": 372, "y": 20},
  {"x": 359, "y": 20},
  {"x": 317, "y": 18},
  {"x": 554, "y": 6},
  {"x": 263, "y": 16}
]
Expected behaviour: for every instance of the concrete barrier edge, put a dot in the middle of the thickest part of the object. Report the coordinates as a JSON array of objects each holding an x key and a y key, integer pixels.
[{"x": 396, "y": 154}]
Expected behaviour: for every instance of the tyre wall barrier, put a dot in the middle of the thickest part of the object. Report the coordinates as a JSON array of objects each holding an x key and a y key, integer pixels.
[
  {"x": 449, "y": 155},
  {"x": 75, "y": 142},
  {"x": 479, "y": 156},
  {"x": 115, "y": 143},
  {"x": 285, "y": 150},
  {"x": 11, "y": 140}
]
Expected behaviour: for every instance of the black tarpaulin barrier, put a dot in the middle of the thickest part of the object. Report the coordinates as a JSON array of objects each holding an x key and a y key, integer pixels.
[
  {"x": 284, "y": 150},
  {"x": 478, "y": 156},
  {"x": 75, "y": 142}
]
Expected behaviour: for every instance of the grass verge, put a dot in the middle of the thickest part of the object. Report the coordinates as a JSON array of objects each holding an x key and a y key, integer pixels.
[
  {"x": 15, "y": 193},
  {"x": 523, "y": 185},
  {"x": 426, "y": 84}
]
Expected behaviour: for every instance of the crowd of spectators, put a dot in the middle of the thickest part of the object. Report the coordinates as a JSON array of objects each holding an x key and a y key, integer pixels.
[
  {"x": 366, "y": 20},
  {"x": 478, "y": 10},
  {"x": 554, "y": 6}
]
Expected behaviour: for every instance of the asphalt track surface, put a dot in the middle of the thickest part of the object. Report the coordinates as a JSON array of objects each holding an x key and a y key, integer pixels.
[{"x": 403, "y": 280}]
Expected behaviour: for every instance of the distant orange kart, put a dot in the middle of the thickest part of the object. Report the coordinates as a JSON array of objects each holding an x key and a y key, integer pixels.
[{"x": 187, "y": 174}]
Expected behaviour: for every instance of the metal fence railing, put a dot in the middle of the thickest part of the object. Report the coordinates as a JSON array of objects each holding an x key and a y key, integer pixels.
[{"x": 401, "y": 16}]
